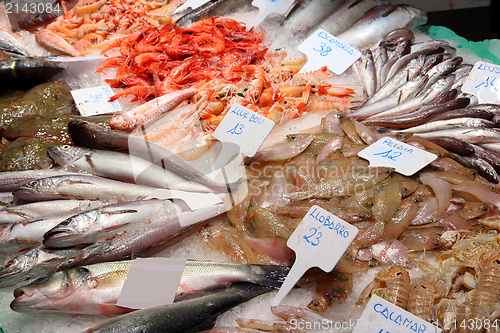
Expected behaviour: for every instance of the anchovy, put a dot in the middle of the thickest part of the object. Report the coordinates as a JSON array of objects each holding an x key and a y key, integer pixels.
[
  {"x": 41, "y": 209},
  {"x": 98, "y": 188},
  {"x": 191, "y": 315},
  {"x": 124, "y": 168},
  {"x": 347, "y": 14},
  {"x": 94, "y": 136},
  {"x": 102, "y": 223},
  {"x": 380, "y": 21},
  {"x": 99, "y": 286}
]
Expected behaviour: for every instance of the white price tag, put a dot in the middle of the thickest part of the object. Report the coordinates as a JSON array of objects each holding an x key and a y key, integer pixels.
[
  {"x": 193, "y": 4},
  {"x": 151, "y": 282},
  {"x": 484, "y": 82},
  {"x": 267, "y": 7},
  {"x": 323, "y": 49},
  {"x": 382, "y": 316},
  {"x": 94, "y": 100},
  {"x": 389, "y": 152},
  {"x": 319, "y": 240},
  {"x": 241, "y": 130}
]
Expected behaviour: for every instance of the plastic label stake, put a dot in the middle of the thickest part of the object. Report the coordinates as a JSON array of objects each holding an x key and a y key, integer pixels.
[
  {"x": 193, "y": 4},
  {"x": 241, "y": 130},
  {"x": 319, "y": 240},
  {"x": 389, "y": 152},
  {"x": 151, "y": 282},
  {"x": 484, "y": 82},
  {"x": 323, "y": 49},
  {"x": 380, "y": 316},
  {"x": 267, "y": 7},
  {"x": 94, "y": 100}
]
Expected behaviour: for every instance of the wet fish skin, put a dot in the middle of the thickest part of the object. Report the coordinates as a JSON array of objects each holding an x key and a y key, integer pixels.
[
  {"x": 185, "y": 316},
  {"x": 12, "y": 179},
  {"x": 282, "y": 151},
  {"x": 28, "y": 68},
  {"x": 470, "y": 135},
  {"x": 393, "y": 38},
  {"x": 454, "y": 145},
  {"x": 126, "y": 168},
  {"x": 449, "y": 124},
  {"x": 402, "y": 49},
  {"x": 102, "y": 223},
  {"x": 10, "y": 45},
  {"x": 367, "y": 72},
  {"x": 98, "y": 286},
  {"x": 483, "y": 168}
]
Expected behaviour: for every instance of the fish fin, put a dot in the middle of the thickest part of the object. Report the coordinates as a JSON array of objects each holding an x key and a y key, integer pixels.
[
  {"x": 110, "y": 279},
  {"x": 88, "y": 158},
  {"x": 115, "y": 227}
]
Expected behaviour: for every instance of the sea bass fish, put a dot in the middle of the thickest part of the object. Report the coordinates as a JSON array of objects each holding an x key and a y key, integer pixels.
[
  {"x": 187, "y": 316},
  {"x": 95, "y": 289}
]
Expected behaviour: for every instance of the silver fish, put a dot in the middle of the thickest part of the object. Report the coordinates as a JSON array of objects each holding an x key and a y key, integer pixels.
[
  {"x": 97, "y": 188},
  {"x": 367, "y": 72},
  {"x": 380, "y": 21},
  {"x": 307, "y": 14},
  {"x": 125, "y": 167},
  {"x": 12, "y": 46},
  {"x": 442, "y": 69},
  {"x": 190, "y": 315},
  {"x": 402, "y": 49},
  {"x": 101, "y": 223},
  {"x": 347, "y": 14},
  {"x": 95, "y": 289},
  {"x": 9, "y": 180},
  {"x": 449, "y": 124},
  {"x": 44, "y": 208},
  {"x": 470, "y": 135},
  {"x": 381, "y": 57}
]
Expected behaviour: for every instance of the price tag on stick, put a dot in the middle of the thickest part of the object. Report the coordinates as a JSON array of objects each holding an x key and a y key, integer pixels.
[
  {"x": 484, "y": 82},
  {"x": 241, "y": 130},
  {"x": 318, "y": 241},
  {"x": 323, "y": 49},
  {"x": 267, "y": 7},
  {"x": 389, "y": 152}
]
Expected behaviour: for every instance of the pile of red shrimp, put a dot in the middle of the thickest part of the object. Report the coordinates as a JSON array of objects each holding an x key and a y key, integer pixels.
[{"x": 155, "y": 61}]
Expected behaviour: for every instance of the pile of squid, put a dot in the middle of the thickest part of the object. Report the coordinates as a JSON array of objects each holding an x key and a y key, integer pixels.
[
  {"x": 416, "y": 88},
  {"x": 396, "y": 215},
  {"x": 92, "y": 24}
]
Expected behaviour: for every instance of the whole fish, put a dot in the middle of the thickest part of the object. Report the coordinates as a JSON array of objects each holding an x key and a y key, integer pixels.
[
  {"x": 483, "y": 168},
  {"x": 191, "y": 315},
  {"x": 148, "y": 111},
  {"x": 95, "y": 289},
  {"x": 464, "y": 112},
  {"x": 395, "y": 37},
  {"x": 282, "y": 151},
  {"x": 55, "y": 43},
  {"x": 454, "y": 145},
  {"x": 380, "y": 55},
  {"x": 470, "y": 135},
  {"x": 404, "y": 60},
  {"x": 12, "y": 46},
  {"x": 161, "y": 228},
  {"x": 125, "y": 167},
  {"x": 442, "y": 69},
  {"x": 381, "y": 20},
  {"x": 449, "y": 124},
  {"x": 102, "y": 223},
  {"x": 402, "y": 49},
  {"x": 367, "y": 72},
  {"x": 10, "y": 180},
  {"x": 211, "y": 8},
  {"x": 87, "y": 187},
  {"x": 44, "y": 208},
  {"x": 93, "y": 136},
  {"x": 345, "y": 16},
  {"x": 307, "y": 14},
  {"x": 28, "y": 68}
]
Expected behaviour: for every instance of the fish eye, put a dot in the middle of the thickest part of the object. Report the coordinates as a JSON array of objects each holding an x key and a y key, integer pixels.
[
  {"x": 65, "y": 222},
  {"x": 70, "y": 262},
  {"x": 125, "y": 126},
  {"x": 65, "y": 147},
  {"x": 33, "y": 183},
  {"x": 7, "y": 265},
  {"x": 41, "y": 279}
]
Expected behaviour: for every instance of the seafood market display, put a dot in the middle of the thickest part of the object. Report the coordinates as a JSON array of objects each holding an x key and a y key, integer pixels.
[{"x": 82, "y": 197}]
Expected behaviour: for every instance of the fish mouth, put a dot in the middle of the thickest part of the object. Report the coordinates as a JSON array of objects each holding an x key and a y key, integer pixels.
[
  {"x": 58, "y": 238},
  {"x": 23, "y": 297}
]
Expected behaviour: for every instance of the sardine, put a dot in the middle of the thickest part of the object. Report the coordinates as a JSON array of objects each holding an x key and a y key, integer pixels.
[
  {"x": 87, "y": 187},
  {"x": 98, "y": 286},
  {"x": 307, "y": 14},
  {"x": 380, "y": 21},
  {"x": 44, "y": 208},
  {"x": 125, "y": 167},
  {"x": 191, "y": 315},
  {"x": 101, "y": 223},
  {"x": 345, "y": 16}
]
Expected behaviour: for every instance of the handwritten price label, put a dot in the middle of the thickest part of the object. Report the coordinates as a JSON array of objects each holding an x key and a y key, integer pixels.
[
  {"x": 484, "y": 82},
  {"x": 241, "y": 130},
  {"x": 323, "y": 49},
  {"x": 318, "y": 241},
  {"x": 94, "y": 100},
  {"x": 267, "y": 7},
  {"x": 380, "y": 316},
  {"x": 389, "y": 152}
]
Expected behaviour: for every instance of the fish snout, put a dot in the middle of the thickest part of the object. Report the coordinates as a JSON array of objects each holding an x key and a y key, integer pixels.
[{"x": 58, "y": 237}]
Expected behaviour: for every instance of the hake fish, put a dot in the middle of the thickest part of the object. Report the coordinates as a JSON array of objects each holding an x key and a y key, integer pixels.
[
  {"x": 125, "y": 167},
  {"x": 191, "y": 315},
  {"x": 102, "y": 223},
  {"x": 98, "y": 188},
  {"x": 95, "y": 289},
  {"x": 12, "y": 46}
]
